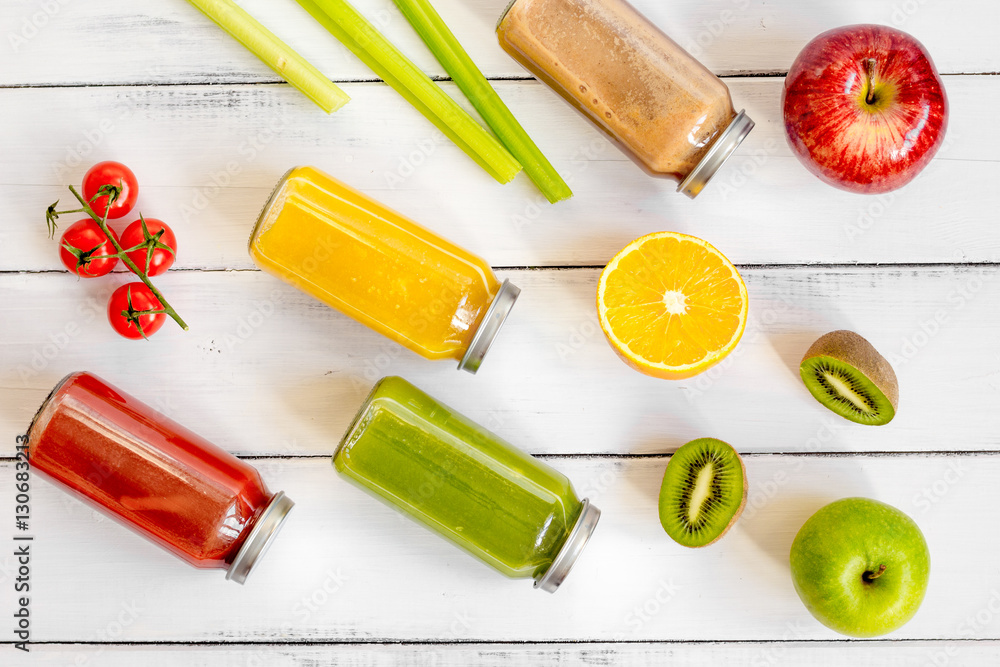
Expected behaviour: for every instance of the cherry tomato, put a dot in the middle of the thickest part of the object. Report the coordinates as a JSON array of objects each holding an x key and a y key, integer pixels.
[
  {"x": 157, "y": 238},
  {"x": 111, "y": 173},
  {"x": 83, "y": 249},
  {"x": 125, "y": 311}
]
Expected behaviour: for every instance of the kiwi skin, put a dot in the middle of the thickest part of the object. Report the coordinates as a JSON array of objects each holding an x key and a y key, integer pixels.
[
  {"x": 664, "y": 507},
  {"x": 856, "y": 351}
]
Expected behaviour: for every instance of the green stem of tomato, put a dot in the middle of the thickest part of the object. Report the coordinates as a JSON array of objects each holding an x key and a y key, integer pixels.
[{"x": 103, "y": 223}]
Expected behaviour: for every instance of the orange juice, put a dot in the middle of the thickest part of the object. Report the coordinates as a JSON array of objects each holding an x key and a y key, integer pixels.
[{"x": 380, "y": 268}]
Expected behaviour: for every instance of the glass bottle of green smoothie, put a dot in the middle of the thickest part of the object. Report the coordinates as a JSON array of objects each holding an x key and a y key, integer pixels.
[{"x": 500, "y": 504}]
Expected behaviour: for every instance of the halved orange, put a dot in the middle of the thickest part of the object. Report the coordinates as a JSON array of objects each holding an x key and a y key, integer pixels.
[{"x": 671, "y": 305}]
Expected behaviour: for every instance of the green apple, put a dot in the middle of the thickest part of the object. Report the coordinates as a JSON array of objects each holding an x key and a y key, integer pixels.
[{"x": 860, "y": 567}]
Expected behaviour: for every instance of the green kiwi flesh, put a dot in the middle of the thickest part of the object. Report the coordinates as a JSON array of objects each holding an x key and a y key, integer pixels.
[
  {"x": 703, "y": 493},
  {"x": 846, "y": 374}
]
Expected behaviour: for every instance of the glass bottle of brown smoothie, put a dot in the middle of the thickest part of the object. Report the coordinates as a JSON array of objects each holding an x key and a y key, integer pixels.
[{"x": 663, "y": 107}]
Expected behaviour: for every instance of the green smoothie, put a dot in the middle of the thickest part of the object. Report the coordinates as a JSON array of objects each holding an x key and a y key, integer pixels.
[{"x": 498, "y": 503}]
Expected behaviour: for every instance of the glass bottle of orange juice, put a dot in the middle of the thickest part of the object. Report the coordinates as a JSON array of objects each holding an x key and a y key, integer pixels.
[{"x": 380, "y": 268}]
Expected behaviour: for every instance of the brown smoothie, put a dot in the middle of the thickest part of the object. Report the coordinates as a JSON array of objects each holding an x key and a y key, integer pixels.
[{"x": 620, "y": 70}]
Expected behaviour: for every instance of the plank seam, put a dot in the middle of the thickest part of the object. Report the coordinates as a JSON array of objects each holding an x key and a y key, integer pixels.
[
  {"x": 765, "y": 74},
  {"x": 509, "y": 642},
  {"x": 597, "y": 267},
  {"x": 662, "y": 455}
]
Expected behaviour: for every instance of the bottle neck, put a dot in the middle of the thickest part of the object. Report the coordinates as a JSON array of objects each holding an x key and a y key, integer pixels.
[
  {"x": 258, "y": 540},
  {"x": 489, "y": 326},
  {"x": 571, "y": 548},
  {"x": 717, "y": 154}
]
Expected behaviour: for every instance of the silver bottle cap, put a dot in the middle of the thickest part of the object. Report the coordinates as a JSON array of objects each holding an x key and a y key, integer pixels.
[
  {"x": 490, "y": 326},
  {"x": 571, "y": 549},
  {"x": 260, "y": 537},
  {"x": 717, "y": 154}
]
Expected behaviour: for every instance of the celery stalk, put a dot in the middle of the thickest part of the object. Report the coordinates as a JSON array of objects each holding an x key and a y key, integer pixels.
[
  {"x": 367, "y": 43},
  {"x": 277, "y": 55},
  {"x": 456, "y": 61}
]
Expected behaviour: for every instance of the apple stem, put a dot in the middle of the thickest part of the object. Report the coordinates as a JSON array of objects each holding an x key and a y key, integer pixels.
[
  {"x": 872, "y": 576},
  {"x": 870, "y": 65}
]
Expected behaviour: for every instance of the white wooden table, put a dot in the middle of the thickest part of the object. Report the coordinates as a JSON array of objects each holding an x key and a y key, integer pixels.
[{"x": 275, "y": 377}]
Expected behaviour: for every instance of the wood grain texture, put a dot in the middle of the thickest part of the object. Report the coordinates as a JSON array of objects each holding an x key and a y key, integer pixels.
[
  {"x": 169, "y": 42},
  {"x": 207, "y": 157},
  {"x": 268, "y": 373},
  {"x": 756, "y": 654},
  {"x": 348, "y": 568},
  {"x": 267, "y": 370}
]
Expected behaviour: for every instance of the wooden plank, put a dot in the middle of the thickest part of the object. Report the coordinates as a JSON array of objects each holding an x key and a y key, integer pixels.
[
  {"x": 207, "y": 157},
  {"x": 267, "y": 370},
  {"x": 347, "y": 568},
  {"x": 143, "y": 41},
  {"x": 806, "y": 654}
]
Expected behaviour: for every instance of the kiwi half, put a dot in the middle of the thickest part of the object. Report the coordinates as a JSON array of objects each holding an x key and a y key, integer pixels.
[
  {"x": 847, "y": 375},
  {"x": 703, "y": 493}
]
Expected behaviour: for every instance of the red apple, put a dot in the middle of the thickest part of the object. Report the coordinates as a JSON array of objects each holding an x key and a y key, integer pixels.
[{"x": 864, "y": 108}]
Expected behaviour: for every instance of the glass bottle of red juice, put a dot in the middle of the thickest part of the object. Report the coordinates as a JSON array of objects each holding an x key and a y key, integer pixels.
[{"x": 150, "y": 473}]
